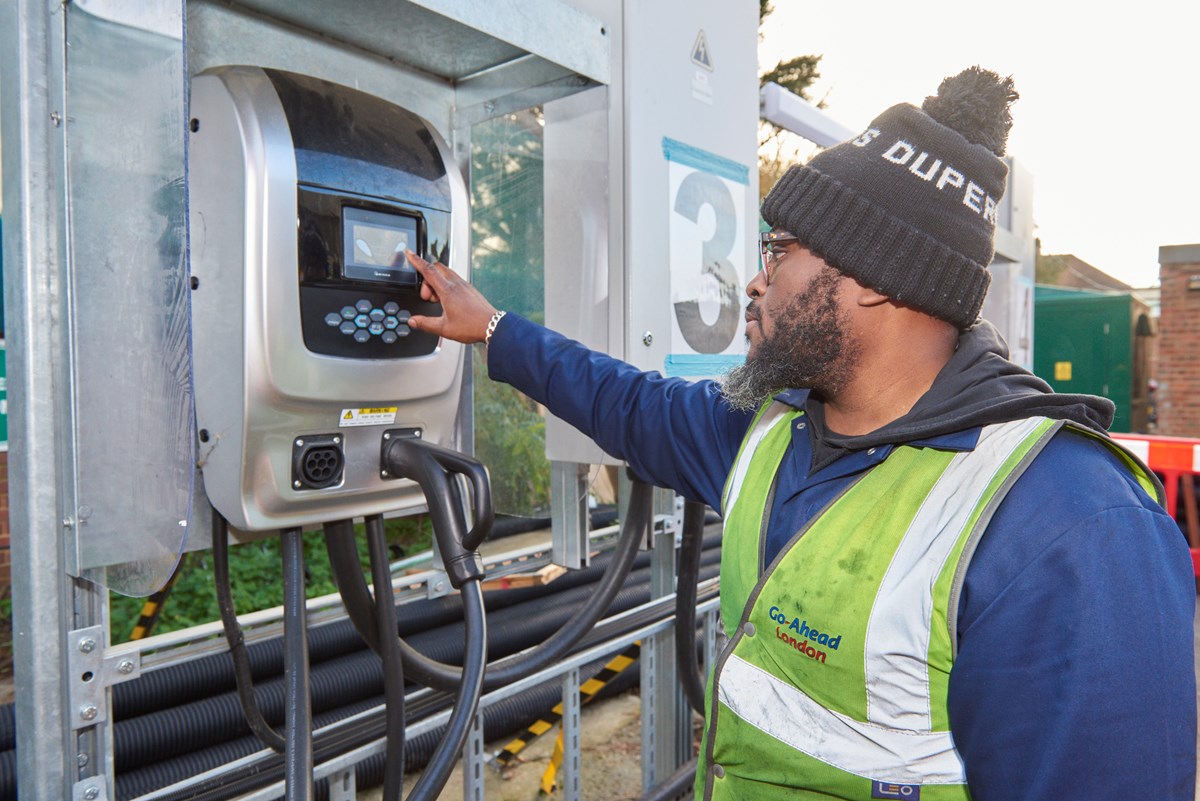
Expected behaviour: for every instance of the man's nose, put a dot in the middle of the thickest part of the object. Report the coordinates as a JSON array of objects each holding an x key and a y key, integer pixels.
[{"x": 757, "y": 285}]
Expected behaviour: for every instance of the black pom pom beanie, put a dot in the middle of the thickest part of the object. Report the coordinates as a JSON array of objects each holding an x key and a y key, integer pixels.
[{"x": 907, "y": 208}]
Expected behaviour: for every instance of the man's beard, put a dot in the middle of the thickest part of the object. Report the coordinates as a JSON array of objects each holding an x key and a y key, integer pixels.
[{"x": 808, "y": 348}]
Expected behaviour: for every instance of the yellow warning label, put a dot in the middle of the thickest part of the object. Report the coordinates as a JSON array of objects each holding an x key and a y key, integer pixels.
[
  {"x": 1062, "y": 371},
  {"x": 376, "y": 416}
]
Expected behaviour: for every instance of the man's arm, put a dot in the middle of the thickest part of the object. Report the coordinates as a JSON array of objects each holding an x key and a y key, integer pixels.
[
  {"x": 1075, "y": 674},
  {"x": 674, "y": 433}
]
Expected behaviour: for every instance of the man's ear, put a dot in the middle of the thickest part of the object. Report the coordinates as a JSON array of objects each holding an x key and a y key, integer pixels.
[{"x": 867, "y": 297}]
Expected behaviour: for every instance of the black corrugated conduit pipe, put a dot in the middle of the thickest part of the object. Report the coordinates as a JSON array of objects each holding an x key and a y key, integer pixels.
[
  {"x": 501, "y": 719},
  {"x": 146, "y": 744},
  {"x": 143, "y": 740},
  {"x": 347, "y": 679},
  {"x": 208, "y": 676},
  {"x": 235, "y": 639},
  {"x": 691, "y": 543},
  {"x": 167, "y": 746}
]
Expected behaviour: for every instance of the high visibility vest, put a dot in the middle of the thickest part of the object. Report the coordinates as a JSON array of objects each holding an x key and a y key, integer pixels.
[{"x": 834, "y": 681}]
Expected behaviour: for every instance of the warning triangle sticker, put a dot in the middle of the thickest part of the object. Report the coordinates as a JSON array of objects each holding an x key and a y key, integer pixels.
[
  {"x": 700, "y": 54},
  {"x": 349, "y": 415}
]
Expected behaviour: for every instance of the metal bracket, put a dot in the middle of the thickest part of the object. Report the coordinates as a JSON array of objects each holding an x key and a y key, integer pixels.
[
  {"x": 438, "y": 585},
  {"x": 671, "y": 525},
  {"x": 569, "y": 520},
  {"x": 342, "y": 785},
  {"x": 93, "y": 789},
  {"x": 92, "y": 671}
]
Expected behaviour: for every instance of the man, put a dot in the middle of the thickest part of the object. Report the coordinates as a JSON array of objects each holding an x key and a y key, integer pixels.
[{"x": 940, "y": 580}]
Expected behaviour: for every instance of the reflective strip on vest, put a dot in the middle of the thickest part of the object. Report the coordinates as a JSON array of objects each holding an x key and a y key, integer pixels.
[
  {"x": 785, "y": 713},
  {"x": 898, "y": 631},
  {"x": 771, "y": 418}
]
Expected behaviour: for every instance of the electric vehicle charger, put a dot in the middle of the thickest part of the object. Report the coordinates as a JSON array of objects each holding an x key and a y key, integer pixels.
[{"x": 305, "y": 197}]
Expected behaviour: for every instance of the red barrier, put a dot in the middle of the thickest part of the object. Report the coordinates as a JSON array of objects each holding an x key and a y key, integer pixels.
[{"x": 1177, "y": 460}]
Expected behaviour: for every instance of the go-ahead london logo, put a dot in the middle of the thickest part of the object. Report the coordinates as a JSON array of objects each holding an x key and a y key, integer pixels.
[{"x": 802, "y": 636}]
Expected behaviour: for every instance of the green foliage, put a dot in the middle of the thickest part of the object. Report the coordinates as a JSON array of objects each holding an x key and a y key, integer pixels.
[
  {"x": 796, "y": 74},
  {"x": 508, "y": 231},
  {"x": 256, "y": 577},
  {"x": 508, "y": 213},
  {"x": 510, "y": 438},
  {"x": 776, "y": 150},
  {"x": 1049, "y": 267}
]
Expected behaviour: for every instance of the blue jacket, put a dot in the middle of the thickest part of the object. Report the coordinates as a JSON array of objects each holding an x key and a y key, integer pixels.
[{"x": 1074, "y": 676}]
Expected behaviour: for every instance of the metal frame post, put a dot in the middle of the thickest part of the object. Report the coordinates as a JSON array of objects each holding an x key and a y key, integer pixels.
[
  {"x": 666, "y": 715},
  {"x": 472, "y": 761},
  {"x": 569, "y": 521},
  {"x": 572, "y": 726},
  {"x": 47, "y": 604}
]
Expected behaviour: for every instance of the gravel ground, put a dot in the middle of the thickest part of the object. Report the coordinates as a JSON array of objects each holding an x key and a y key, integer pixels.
[{"x": 612, "y": 771}]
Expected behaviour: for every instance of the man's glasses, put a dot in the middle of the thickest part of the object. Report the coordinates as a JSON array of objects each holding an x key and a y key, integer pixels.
[{"x": 773, "y": 245}]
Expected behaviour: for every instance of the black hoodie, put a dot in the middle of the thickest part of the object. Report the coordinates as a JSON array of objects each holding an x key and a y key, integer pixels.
[{"x": 977, "y": 387}]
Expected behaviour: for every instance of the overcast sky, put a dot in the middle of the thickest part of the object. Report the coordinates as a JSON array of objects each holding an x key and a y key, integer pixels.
[{"x": 1109, "y": 116}]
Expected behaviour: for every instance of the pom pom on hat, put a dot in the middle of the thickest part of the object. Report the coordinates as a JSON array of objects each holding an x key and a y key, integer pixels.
[{"x": 975, "y": 103}]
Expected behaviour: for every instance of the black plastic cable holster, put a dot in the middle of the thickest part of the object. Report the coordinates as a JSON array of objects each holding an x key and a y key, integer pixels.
[{"x": 432, "y": 466}]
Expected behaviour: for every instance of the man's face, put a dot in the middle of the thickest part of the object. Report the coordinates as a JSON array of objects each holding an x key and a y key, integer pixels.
[{"x": 797, "y": 328}]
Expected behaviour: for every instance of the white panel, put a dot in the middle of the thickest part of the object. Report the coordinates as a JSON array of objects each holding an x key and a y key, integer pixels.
[{"x": 692, "y": 89}]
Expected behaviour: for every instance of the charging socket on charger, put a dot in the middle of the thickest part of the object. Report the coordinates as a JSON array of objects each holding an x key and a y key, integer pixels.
[{"x": 318, "y": 461}]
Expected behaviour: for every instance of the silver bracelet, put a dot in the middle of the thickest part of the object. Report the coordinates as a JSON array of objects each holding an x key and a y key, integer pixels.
[{"x": 491, "y": 328}]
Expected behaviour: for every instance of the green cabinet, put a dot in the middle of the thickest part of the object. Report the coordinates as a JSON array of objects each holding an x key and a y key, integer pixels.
[{"x": 1095, "y": 343}]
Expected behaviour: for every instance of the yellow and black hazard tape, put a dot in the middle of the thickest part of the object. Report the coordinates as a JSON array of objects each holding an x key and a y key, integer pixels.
[
  {"x": 587, "y": 691},
  {"x": 152, "y": 607},
  {"x": 549, "y": 782}
]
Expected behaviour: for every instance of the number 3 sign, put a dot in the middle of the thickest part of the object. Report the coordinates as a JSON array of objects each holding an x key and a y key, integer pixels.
[{"x": 708, "y": 260}]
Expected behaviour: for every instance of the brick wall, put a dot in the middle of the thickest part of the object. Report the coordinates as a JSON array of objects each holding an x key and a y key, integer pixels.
[{"x": 1179, "y": 341}]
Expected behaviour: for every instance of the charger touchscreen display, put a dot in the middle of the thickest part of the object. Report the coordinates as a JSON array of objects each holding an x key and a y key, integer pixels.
[{"x": 374, "y": 245}]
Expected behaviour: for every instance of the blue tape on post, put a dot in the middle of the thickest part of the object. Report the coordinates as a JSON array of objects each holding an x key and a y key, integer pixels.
[
  {"x": 719, "y": 166},
  {"x": 684, "y": 365}
]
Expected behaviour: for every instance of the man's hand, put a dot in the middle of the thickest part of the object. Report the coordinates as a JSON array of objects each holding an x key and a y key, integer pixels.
[{"x": 465, "y": 312}]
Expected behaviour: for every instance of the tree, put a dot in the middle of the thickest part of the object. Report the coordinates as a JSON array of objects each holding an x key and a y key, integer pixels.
[
  {"x": 776, "y": 147},
  {"x": 508, "y": 233}
]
